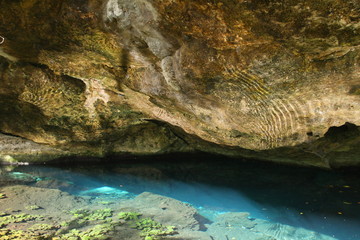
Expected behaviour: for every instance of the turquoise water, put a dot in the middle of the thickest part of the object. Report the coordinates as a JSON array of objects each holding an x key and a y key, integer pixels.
[{"x": 326, "y": 202}]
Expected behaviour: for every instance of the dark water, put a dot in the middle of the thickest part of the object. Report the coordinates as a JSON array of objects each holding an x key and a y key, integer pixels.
[{"x": 327, "y": 202}]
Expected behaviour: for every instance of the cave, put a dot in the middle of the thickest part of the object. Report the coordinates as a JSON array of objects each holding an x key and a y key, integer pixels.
[{"x": 179, "y": 119}]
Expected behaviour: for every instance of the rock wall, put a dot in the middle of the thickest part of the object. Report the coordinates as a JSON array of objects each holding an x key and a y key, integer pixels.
[{"x": 262, "y": 79}]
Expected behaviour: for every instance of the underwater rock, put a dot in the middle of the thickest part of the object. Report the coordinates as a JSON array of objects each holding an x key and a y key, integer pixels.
[
  {"x": 54, "y": 213},
  {"x": 281, "y": 231},
  {"x": 239, "y": 226},
  {"x": 257, "y": 79},
  {"x": 55, "y": 201},
  {"x": 54, "y": 184},
  {"x": 232, "y": 219},
  {"x": 105, "y": 192},
  {"x": 169, "y": 210},
  {"x": 32, "y": 212}
]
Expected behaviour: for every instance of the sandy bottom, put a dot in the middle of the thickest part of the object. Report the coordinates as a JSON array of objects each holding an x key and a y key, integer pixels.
[{"x": 41, "y": 213}]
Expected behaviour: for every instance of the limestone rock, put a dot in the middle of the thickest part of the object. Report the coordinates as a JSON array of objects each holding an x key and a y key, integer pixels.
[
  {"x": 18, "y": 151},
  {"x": 274, "y": 80},
  {"x": 239, "y": 226},
  {"x": 164, "y": 209}
]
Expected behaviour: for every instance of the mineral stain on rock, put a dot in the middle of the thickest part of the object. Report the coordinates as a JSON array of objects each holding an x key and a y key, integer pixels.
[{"x": 150, "y": 77}]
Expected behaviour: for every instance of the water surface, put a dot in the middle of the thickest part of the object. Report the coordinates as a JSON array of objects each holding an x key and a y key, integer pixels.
[{"x": 326, "y": 202}]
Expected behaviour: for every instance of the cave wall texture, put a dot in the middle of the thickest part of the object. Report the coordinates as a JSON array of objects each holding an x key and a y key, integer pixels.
[{"x": 277, "y": 80}]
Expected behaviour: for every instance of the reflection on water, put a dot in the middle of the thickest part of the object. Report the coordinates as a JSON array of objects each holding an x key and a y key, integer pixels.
[{"x": 326, "y": 202}]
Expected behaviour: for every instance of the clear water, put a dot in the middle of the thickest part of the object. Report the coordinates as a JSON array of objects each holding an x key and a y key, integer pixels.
[{"x": 327, "y": 202}]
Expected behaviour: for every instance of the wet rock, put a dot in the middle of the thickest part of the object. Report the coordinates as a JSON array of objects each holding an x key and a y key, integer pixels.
[
  {"x": 238, "y": 226},
  {"x": 281, "y": 231},
  {"x": 236, "y": 219},
  {"x": 58, "y": 210},
  {"x": 169, "y": 210},
  {"x": 55, "y": 184},
  {"x": 50, "y": 200}
]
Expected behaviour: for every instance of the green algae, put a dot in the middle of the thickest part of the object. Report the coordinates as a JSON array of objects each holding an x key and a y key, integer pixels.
[
  {"x": 87, "y": 215},
  {"x": 7, "y": 234},
  {"x": 129, "y": 215},
  {"x": 35, "y": 232},
  {"x": 84, "y": 224},
  {"x": 150, "y": 229},
  {"x": 82, "y": 218},
  {"x": 33, "y": 207},
  {"x": 17, "y": 218},
  {"x": 99, "y": 232},
  {"x": 42, "y": 227},
  {"x": 66, "y": 230}
]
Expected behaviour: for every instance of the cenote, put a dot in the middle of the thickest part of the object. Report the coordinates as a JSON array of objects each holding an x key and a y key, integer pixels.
[
  {"x": 132, "y": 119},
  {"x": 178, "y": 197}
]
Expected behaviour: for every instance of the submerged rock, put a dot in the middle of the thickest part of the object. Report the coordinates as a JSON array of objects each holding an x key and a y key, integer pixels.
[
  {"x": 33, "y": 212},
  {"x": 109, "y": 192},
  {"x": 272, "y": 80},
  {"x": 240, "y": 219},
  {"x": 173, "y": 212},
  {"x": 238, "y": 226}
]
